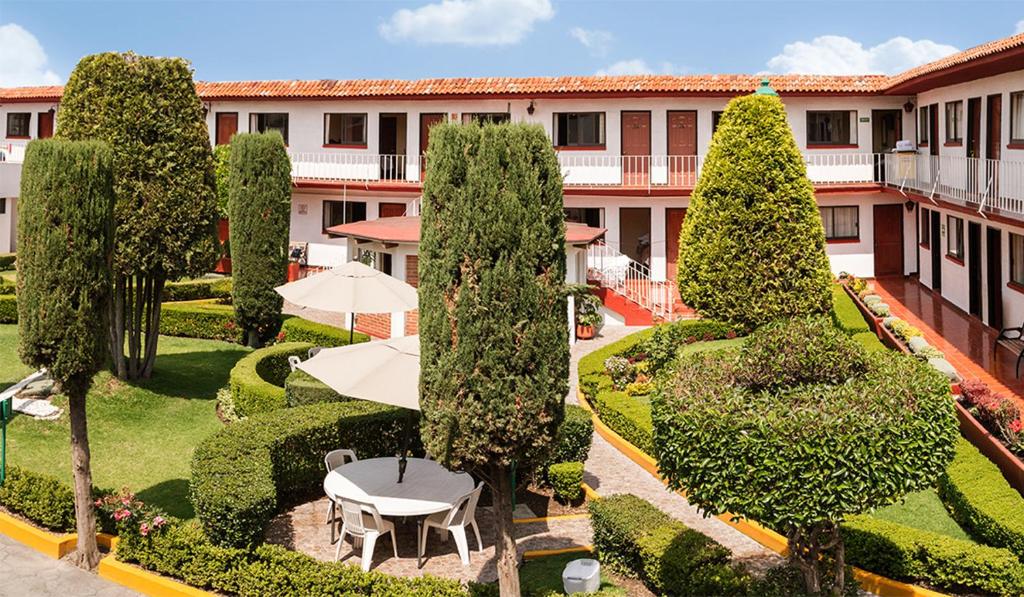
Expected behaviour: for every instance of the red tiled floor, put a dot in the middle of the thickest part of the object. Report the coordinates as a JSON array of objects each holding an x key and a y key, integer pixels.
[{"x": 967, "y": 342}]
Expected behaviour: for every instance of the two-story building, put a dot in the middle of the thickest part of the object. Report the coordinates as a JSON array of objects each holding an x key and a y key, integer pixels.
[{"x": 631, "y": 148}]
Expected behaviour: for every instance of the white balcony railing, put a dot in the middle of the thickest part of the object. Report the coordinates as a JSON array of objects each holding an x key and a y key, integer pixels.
[
  {"x": 640, "y": 171},
  {"x": 983, "y": 184},
  {"x": 12, "y": 151}
]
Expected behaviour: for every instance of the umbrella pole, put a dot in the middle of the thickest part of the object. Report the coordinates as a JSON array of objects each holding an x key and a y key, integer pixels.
[
  {"x": 402, "y": 462},
  {"x": 351, "y": 329}
]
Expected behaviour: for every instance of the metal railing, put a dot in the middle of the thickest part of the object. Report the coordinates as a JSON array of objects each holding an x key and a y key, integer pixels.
[
  {"x": 357, "y": 167},
  {"x": 632, "y": 171},
  {"x": 631, "y": 279},
  {"x": 12, "y": 151},
  {"x": 979, "y": 183}
]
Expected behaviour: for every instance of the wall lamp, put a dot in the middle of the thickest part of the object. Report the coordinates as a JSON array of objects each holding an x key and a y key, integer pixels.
[{"x": 531, "y": 108}]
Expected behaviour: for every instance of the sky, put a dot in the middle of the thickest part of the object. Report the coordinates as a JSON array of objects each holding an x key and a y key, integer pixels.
[{"x": 229, "y": 40}]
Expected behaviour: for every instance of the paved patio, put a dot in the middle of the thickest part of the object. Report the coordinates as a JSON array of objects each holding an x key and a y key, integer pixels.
[
  {"x": 967, "y": 342},
  {"x": 28, "y": 572}
]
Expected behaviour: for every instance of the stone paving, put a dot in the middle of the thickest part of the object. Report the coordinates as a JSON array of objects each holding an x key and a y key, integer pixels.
[{"x": 28, "y": 572}]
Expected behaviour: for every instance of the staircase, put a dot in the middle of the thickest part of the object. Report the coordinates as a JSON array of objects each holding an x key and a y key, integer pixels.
[{"x": 625, "y": 286}]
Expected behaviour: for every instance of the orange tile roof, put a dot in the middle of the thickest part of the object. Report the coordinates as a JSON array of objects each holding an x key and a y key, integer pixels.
[
  {"x": 968, "y": 55},
  {"x": 47, "y": 93}
]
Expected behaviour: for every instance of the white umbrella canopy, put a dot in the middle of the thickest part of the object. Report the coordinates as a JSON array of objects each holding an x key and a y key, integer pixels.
[
  {"x": 351, "y": 288},
  {"x": 387, "y": 371}
]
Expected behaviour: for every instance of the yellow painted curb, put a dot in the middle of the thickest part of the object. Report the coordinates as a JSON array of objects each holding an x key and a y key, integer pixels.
[
  {"x": 145, "y": 582},
  {"x": 51, "y": 544},
  {"x": 590, "y": 493},
  {"x": 547, "y": 518},
  {"x": 879, "y": 585},
  {"x": 543, "y": 553}
]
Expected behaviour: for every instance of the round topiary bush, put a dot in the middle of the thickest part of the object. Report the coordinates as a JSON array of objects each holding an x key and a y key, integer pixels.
[{"x": 798, "y": 429}]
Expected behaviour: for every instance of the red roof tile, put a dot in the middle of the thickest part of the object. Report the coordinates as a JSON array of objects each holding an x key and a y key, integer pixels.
[
  {"x": 975, "y": 53},
  {"x": 407, "y": 230}
]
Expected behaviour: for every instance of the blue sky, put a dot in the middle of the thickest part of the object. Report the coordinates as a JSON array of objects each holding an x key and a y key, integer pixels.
[{"x": 41, "y": 40}]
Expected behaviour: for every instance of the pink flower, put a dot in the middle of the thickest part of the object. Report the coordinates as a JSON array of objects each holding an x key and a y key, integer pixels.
[
  {"x": 159, "y": 522},
  {"x": 120, "y": 515},
  {"x": 1016, "y": 425},
  {"x": 99, "y": 502},
  {"x": 144, "y": 529}
]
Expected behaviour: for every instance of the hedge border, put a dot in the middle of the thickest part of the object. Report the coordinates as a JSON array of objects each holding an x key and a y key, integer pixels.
[{"x": 252, "y": 391}]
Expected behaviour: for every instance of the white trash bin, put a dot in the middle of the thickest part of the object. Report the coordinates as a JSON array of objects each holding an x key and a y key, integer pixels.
[{"x": 581, "y": 576}]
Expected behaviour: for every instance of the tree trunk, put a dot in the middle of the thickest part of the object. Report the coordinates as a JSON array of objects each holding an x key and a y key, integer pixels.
[
  {"x": 840, "y": 560},
  {"x": 135, "y": 324},
  {"x": 803, "y": 553},
  {"x": 87, "y": 553},
  {"x": 117, "y": 328},
  {"x": 505, "y": 543}
]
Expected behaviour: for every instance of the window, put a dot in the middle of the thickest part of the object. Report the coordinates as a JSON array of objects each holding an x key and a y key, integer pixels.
[
  {"x": 3, "y": 205},
  {"x": 345, "y": 129},
  {"x": 954, "y": 122},
  {"x": 841, "y": 223},
  {"x": 716, "y": 115},
  {"x": 955, "y": 237},
  {"x": 375, "y": 259},
  {"x": 579, "y": 129},
  {"x": 270, "y": 121},
  {"x": 926, "y": 230},
  {"x": 1017, "y": 259},
  {"x": 922, "y": 125},
  {"x": 1017, "y": 117},
  {"x": 343, "y": 212},
  {"x": 591, "y": 216},
  {"x": 833, "y": 127},
  {"x": 17, "y": 124},
  {"x": 485, "y": 117}
]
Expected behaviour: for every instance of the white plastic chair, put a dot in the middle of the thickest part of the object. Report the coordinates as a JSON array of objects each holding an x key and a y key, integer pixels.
[
  {"x": 363, "y": 522},
  {"x": 293, "y": 362},
  {"x": 333, "y": 460},
  {"x": 455, "y": 521}
]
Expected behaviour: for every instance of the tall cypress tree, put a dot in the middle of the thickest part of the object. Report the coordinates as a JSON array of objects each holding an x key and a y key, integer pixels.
[
  {"x": 752, "y": 248},
  {"x": 259, "y": 208},
  {"x": 148, "y": 111},
  {"x": 65, "y": 247},
  {"x": 493, "y": 321}
]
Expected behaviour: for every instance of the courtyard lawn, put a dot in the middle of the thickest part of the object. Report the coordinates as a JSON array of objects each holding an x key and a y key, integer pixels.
[
  {"x": 142, "y": 434},
  {"x": 543, "y": 577},
  {"x": 923, "y": 510}
]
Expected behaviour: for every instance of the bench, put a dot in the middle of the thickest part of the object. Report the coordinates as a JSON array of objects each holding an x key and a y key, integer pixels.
[{"x": 1013, "y": 339}]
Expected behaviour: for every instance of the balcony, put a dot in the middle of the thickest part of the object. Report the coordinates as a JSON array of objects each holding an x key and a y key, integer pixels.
[
  {"x": 12, "y": 154},
  {"x": 993, "y": 186}
]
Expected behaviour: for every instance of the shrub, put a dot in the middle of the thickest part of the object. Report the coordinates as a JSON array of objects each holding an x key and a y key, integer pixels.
[
  {"x": 194, "y": 290},
  {"x": 566, "y": 480},
  {"x": 257, "y": 379},
  {"x": 204, "y": 319},
  {"x": 297, "y": 329},
  {"x": 8, "y": 308},
  {"x": 574, "y": 435},
  {"x": 903, "y": 330},
  {"x": 979, "y": 498},
  {"x": 242, "y": 474},
  {"x": 628, "y": 416},
  {"x": 41, "y": 499},
  {"x": 640, "y": 388},
  {"x": 633, "y": 537},
  {"x": 301, "y": 388},
  {"x": 662, "y": 345},
  {"x": 620, "y": 370},
  {"x": 929, "y": 352},
  {"x": 786, "y": 580},
  {"x": 845, "y": 313},
  {"x": 880, "y": 309},
  {"x": 7, "y": 261},
  {"x": 999, "y": 414},
  {"x": 904, "y": 553},
  {"x": 7, "y": 288}
]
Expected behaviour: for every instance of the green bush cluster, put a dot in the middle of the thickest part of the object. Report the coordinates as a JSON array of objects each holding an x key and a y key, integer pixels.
[
  {"x": 633, "y": 537},
  {"x": 904, "y": 553},
  {"x": 7, "y": 261},
  {"x": 205, "y": 319},
  {"x": 662, "y": 346},
  {"x": 194, "y": 290},
  {"x": 574, "y": 435},
  {"x": 41, "y": 499},
  {"x": 297, "y": 329},
  {"x": 566, "y": 480},
  {"x": 257, "y": 379},
  {"x": 8, "y": 308},
  {"x": 7, "y": 288},
  {"x": 980, "y": 500},
  {"x": 242, "y": 474},
  {"x": 845, "y": 313},
  {"x": 181, "y": 551},
  {"x": 301, "y": 388}
]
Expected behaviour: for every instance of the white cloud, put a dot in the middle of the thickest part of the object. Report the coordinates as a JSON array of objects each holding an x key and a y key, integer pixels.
[
  {"x": 467, "y": 22},
  {"x": 595, "y": 40},
  {"x": 638, "y": 66},
  {"x": 23, "y": 60},
  {"x": 838, "y": 55},
  {"x": 1020, "y": 27}
]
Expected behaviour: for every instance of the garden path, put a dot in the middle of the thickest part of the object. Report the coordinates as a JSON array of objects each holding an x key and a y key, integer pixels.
[{"x": 28, "y": 572}]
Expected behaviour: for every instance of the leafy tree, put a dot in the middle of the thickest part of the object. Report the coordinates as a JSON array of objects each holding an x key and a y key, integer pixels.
[
  {"x": 222, "y": 172},
  {"x": 65, "y": 238},
  {"x": 260, "y": 192},
  {"x": 799, "y": 429},
  {"x": 166, "y": 213},
  {"x": 493, "y": 321},
  {"x": 752, "y": 248}
]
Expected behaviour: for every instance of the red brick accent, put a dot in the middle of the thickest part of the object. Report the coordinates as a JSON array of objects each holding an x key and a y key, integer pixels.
[
  {"x": 412, "y": 323},
  {"x": 412, "y": 270},
  {"x": 377, "y": 325}
]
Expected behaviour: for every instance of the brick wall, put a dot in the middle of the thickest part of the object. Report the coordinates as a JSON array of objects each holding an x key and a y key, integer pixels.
[
  {"x": 412, "y": 273},
  {"x": 377, "y": 325},
  {"x": 412, "y": 323}
]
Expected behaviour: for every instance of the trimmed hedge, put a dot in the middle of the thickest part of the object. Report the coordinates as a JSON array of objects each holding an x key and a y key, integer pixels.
[
  {"x": 297, "y": 329},
  {"x": 194, "y": 290},
  {"x": 575, "y": 433},
  {"x": 301, "y": 388},
  {"x": 7, "y": 261},
  {"x": 205, "y": 319},
  {"x": 662, "y": 346},
  {"x": 846, "y": 314},
  {"x": 8, "y": 308},
  {"x": 257, "y": 379},
  {"x": 980, "y": 500},
  {"x": 41, "y": 499},
  {"x": 633, "y": 537},
  {"x": 7, "y": 288},
  {"x": 242, "y": 474},
  {"x": 904, "y": 553},
  {"x": 566, "y": 480}
]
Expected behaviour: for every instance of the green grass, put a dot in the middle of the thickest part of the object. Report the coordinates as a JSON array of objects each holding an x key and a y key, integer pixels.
[
  {"x": 711, "y": 345},
  {"x": 923, "y": 510},
  {"x": 543, "y": 577},
  {"x": 141, "y": 434}
]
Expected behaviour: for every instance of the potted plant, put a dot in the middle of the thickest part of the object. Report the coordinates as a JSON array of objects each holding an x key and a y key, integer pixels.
[
  {"x": 587, "y": 324},
  {"x": 587, "y": 312}
]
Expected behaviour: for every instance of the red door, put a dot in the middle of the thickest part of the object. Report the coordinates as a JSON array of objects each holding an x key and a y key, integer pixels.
[
  {"x": 426, "y": 121},
  {"x": 636, "y": 147},
  {"x": 933, "y": 126},
  {"x": 674, "y": 217},
  {"x": 227, "y": 125},
  {"x": 682, "y": 148},
  {"x": 994, "y": 146},
  {"x": 888, "y": 227},
  {"x": 392, "y": 210},
  {"x": 44, "y": 129}
]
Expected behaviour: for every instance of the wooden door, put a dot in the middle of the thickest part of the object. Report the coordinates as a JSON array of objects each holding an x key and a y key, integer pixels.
[
  {"x": 974, "y": 268},
  {"x": 227, "y": 125},
  {"x": 682, "y": 147},
  {"x": 391, "y": 210},
  {"x": 933, "y": 126},
  {"x": 888, "y": 227},
  {"x": 994, "y": 275},
  {"x": 974, "y": 127},
  {"x": 426, "y": 121},
  {"x": 636, "y": 148},
  {"x": 935, "y": 246},
  {"x": 994, "y": 142},
  {"x": 44, "y": 126},
  {"x": 674, "y": 217}
]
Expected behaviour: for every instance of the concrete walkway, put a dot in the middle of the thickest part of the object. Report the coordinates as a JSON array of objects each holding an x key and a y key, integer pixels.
[{"x": 28, "y": 572}]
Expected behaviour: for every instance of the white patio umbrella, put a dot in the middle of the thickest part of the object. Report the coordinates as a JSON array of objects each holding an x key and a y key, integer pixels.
[
  {"x": 351, "y": 288},
  {"x": 387, "y": 372}
]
